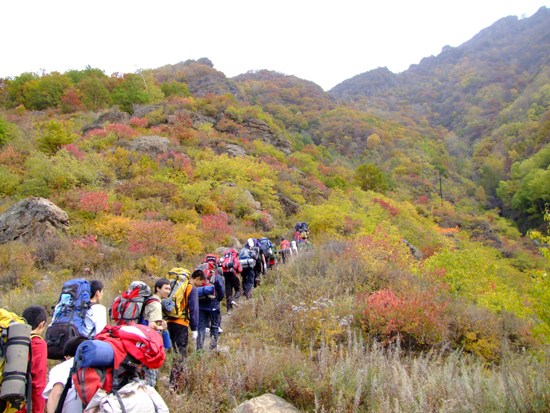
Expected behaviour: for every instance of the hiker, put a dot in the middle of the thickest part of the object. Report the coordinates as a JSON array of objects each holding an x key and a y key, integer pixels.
[
  {"x": 152, "y": 316},
  {"x": 294, "y": 247},
  {"x": 96, "y": 316},
  {"x": 179, "y": 326},
  {"x": 209, "y": 305},
  {"x": 36, "y": 317},
  {"x": 286, "y": 250},
  {"x": 231, "y": 269},
  {"x": 261, "y": 264},
  {"x": 58, "y": 379},
  {"x": 248, "y": 257}
]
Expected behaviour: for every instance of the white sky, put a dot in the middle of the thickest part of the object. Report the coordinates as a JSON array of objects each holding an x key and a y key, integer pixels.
[{"x": 324, "y": 41}]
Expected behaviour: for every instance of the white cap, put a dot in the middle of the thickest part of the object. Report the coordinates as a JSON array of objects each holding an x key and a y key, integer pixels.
[{"x": 250, "y": 242}]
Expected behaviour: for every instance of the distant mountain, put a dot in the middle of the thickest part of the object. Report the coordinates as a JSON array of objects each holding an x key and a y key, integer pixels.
[{"x": 465, "y": 88}]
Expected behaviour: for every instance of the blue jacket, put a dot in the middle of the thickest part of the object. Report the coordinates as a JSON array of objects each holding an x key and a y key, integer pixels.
[{"x": 217, "y": 289}]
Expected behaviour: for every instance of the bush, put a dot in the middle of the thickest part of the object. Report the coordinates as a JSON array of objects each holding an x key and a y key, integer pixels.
[{"x": 417, "y": 318}]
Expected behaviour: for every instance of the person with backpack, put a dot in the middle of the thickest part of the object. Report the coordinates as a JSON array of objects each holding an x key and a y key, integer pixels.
[
  {"x": 294, "y": 247},
  {"x": 186, "y": 317},
  {"x": 36, "y": 317},
  {"x": 69, "y": 316},
  {"x": 249, "y": 257},
  {"x": 96, "y": 316},
  {"x": 58, "y": 379},
  {"x": 231, "y": 270},
  {"x": 210, "y": 295},
  {"x": 286, "y": 250},
  {"x": 152, "y": 316}
]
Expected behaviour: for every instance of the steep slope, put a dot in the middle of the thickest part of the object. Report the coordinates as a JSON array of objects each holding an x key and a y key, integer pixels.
[{"x": 465, "y": 88}]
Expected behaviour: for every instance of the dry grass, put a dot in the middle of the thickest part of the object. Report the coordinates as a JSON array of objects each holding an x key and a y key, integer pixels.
[{"x": 337, "y": 370}]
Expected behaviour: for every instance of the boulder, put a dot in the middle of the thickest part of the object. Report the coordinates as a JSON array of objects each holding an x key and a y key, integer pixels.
[
  {"x": 32, "y": 219},
  {"x": 152, "y": 145},
  {"x": 266, "y": 403}
]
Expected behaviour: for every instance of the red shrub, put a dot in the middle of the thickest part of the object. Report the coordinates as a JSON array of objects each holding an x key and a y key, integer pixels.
[
  {"x": 216, "y": 226},
  {"x": 121, "y": 131},
  {"x": 151, "y": 237},
  {"x": 94, "y": 202},
  {"x": 86, "y": 242},
  {"x": 138, "y": 122},
  {"x": 73, "y": 150},
  {"x": 387, "y": 206},
  {"x": 417, "y": 318}
]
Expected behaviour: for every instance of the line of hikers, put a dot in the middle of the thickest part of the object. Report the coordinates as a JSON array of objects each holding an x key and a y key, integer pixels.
[{"x": 95, "y": 374}]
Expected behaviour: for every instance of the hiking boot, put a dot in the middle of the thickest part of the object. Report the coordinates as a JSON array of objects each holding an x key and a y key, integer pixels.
[
  {"x": 220, "y": 330},
  {"x": 213, "y": 343},
  {"x": 234, "y": 304}
]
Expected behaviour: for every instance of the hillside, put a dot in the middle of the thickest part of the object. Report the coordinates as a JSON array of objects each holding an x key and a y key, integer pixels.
[
  {"x": 412, "y": 270},
  {"x": 490, "y": 95}
]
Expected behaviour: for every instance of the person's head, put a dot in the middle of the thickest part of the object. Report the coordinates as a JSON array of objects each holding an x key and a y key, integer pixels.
[
  {"x": 162, "y": 287},
  {"x": 36, "y": 317},
  {"x": 69, "y": 350},
  {"x": 96, "y": 290},
  {"x": 250, "y": 242},
  {"x": 198, "y": 277}
]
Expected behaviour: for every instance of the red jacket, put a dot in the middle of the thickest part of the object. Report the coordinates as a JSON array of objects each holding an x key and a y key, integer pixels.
[{"x": 39, "y": 374}]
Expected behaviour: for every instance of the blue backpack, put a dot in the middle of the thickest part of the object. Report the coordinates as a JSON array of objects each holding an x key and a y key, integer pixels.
[
  {"x": 266, "y": 246},
  {"x": 69, "y": 316}
]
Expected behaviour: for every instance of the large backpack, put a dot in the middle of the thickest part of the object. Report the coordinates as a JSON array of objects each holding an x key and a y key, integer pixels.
[
  {"x": 230, "y": 261},
  {"x": 128, "y": 307},
  {"x": 69, "y": 316},
  {"x": 246, "y": 259},
  {"x": 266, "y": 247},
  {"x": 175, "y": 306},
  {"x": 15, "y": 378},
  {"x": 134, "y": 346}
]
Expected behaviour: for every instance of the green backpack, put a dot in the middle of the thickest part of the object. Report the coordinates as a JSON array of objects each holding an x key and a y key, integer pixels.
[{"x": 15, "y": 377}]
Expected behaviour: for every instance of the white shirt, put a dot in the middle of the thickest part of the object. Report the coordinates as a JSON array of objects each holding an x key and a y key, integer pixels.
[
  {"x": 96, "y": 320},
  {"x": 60, "y": 374}
]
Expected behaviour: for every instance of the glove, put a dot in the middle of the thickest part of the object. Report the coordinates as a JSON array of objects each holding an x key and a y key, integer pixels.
[{"x": 194, "y": 334}]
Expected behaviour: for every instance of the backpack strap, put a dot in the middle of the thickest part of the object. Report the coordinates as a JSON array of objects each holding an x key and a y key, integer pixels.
[
  {"x": 68, "y": 385},
  {"x": 122, "y": 408}
]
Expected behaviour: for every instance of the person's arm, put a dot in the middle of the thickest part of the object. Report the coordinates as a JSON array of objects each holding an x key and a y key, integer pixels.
[
  {"x": 100, "y": 317},
  {"x": 39, "y": 373},
  {"x": 53, "y": 398},
  {"x": 193, "y": 303},
  {"x": 154, "y": 316},
  {"x": 220, "y": 288}
]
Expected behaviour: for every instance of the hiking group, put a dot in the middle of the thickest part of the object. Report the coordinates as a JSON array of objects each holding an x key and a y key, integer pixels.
[{"x": 114, "y": 367}]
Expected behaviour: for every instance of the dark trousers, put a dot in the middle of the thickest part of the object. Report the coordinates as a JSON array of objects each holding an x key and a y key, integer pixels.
[
  {"x": 232, "y": 284},
  {"x": 180, "y": 338},
  {"x": 212, "y": 319},
  {"x": 248, "y": 275}
]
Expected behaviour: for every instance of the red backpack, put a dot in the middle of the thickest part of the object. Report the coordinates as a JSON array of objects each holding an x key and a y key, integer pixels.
[
  {"x": 230, "y": 261},
  {"x": 128, "y": 307},
  {"x": 134, "y": 346}
]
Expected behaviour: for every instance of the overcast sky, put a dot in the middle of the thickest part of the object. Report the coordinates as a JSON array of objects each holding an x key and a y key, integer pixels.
[{"x": 324, "y": 41}]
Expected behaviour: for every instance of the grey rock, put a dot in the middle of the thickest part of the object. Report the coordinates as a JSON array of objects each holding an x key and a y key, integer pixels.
[
  {"x": 235, "y": 150},
  {"x": 32, "y": 219},
  {"x": 266, "y": 403},
  {"x": 416, "y": 253},
  {"x": 150, "y": 144}
]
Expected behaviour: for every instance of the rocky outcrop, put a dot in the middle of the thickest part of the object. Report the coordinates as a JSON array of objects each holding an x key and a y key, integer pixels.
[
  {"x": 257, "y": 129},
  {"x": 416, "y": 253},
  {"x": 153, "y": 145},
  {"x": 113, "y": 116},
  {"x": 32, "y": 219},
  {"x": 266, "y": 403}
]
